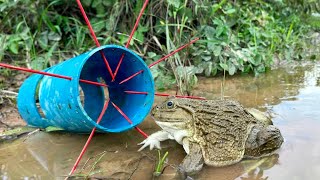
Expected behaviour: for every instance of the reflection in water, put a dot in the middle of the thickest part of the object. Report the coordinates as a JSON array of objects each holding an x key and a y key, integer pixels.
[
  {"x": 291, "y": 95},
  {"x": 248, "y": 169},
  {"x": 263, "y": 164}
]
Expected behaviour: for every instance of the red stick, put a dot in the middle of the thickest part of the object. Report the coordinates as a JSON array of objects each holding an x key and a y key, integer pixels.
[
  {"x": 173, "y": 52},
  {"x": 49, "y": 74},
  {"x": 121, "y": 112},
  {"x": 117, "y": 69},
  {"x": 180, "y": 96},
  {"x": 135, "y": 92},
  {"x": 163, "y": 94},
  {"x": 129, "y": 120},
  {"x": 130, "y": 77},
  {"x": 141, "y": 132},
  {"x": 131, "y": 35},
  {"x": 89, "y": 139},
  {"x": 161, "y": 59},
  {"x": 137, "y": 22},
  {"x": 94, "y": 36},
  {"x": 93, "y": 83}
]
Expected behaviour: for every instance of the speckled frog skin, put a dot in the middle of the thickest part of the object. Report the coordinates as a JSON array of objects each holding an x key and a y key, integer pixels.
[{"x": 213, "y": 132}]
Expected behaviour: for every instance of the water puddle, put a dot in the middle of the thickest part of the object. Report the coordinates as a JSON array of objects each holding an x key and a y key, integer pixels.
[{"x": 290, "y": 95}]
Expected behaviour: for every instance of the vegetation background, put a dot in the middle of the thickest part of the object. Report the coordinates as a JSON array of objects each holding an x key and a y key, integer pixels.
[{"x": 248, "y": 36}]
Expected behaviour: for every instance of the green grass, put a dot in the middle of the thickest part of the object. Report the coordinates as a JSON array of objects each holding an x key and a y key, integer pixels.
[
  {"x": 160, "y": 164},
  {"x": 236, "y": 36}
]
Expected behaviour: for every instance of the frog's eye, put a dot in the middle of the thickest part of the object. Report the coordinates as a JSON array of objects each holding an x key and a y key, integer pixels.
[{"x": 170, "y": 104}]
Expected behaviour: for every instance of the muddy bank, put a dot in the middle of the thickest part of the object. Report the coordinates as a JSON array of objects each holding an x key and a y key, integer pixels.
[{"x": 9, "y": 116}]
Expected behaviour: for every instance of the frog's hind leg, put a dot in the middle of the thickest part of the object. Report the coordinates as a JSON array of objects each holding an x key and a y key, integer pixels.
[{"x": 193, "y": 162}]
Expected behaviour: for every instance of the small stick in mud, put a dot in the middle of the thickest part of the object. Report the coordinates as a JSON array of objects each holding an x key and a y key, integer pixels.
[{"x": 30, "y": 133}]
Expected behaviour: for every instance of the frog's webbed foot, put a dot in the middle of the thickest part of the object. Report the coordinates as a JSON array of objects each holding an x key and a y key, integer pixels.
[
  {"x": 154, "y": 140},
  {"x": 193, "y": 162}
]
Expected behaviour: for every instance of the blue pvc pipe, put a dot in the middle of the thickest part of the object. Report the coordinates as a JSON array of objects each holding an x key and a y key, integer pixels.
[{"x": 60, "y": 98}]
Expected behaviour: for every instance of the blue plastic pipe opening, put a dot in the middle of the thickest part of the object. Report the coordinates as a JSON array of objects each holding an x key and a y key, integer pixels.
[{"x": 74, "y": 106}]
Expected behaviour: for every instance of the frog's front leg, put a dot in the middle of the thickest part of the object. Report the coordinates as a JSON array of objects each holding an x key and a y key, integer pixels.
[
  {"x": 179, "y": 135},
  {"x": 154, "y": 140},
  {"x": 193, "y": 162}
]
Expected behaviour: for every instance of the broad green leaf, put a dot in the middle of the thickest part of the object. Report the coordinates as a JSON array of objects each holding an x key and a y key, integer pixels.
[
  {"x": 261, "y": 68},
  {"x": 206, "y": 58},
  {"x": 101, "y": 11},
  {"x": 86, "y": 2},
  {"x": 194, "y": 80},
  {"x": 98, "y": 26},
  {"x": 174, "y": 3},
  {"x": 230, "y": 11},
  {"x": 151, "y": 54},
  {"x": 109, "y": 2},
  {"x": 155, "y": 71},
  {"x": 214, "y": 70},
  {"x": 139, "y": 36},
  {"x": 14, "y": 47},
  {"x": 24, "y": 35},
  {"x": 43, "y": 40},
  {"x": 96, "y": 3},
  {"x": 143, "y": 29},
  {"x": 53, "y": 36},
  {"x": 38, "y": 63},
  {"x": 232, "y": 68},
  {"x": 211, "y": 46},
  {"x": 247, "y": 68},
  {"x": 208, "y": 69},
  {"x": 219, "y": 30},
  {"x": 218, "y": 22},
  {"x": 224, "y": 66},
  {"x": 217, "y": 50},
  {"x": 209, "y": 32},
  {"x": 187, "y": 12}
]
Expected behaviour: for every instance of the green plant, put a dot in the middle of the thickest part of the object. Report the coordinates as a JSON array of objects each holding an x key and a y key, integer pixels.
[
  {"x": 161, "y": 161},
  {"x": 236, "y": 36}
]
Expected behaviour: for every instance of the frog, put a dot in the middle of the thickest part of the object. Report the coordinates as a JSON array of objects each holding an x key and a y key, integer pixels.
[{"x": 217, "y": 132}]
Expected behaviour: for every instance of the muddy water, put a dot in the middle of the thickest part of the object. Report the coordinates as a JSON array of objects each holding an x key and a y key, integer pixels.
[{"x": 290, "y": 95}]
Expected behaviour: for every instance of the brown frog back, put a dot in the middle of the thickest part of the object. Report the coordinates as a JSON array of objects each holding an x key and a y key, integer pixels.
[{"x": 221, "y": 127}]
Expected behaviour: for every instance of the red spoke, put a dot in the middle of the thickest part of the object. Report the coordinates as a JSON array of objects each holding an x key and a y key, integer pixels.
[
  {"x": 130, "y": 77},
  {"x": 89, "y": 139},
  {"x": 173, "y": 52},
  {"x": 117, "y": 69},
  {"x": 121, "y": 112},
  {"x": 180, "y": 96},
  {"x": 135, "y": 92},
  {"x": 131, "y": 35},
  {"x": 161, "y": 59},
  {"x": 93, "y": 83},
  {"x": 94, "y": 36},
  {"x": 163, "y": 94},
  {"x": 141, "y": 132},
  {"x": 137, "y": 22},
  {"x": 49, "y": 74},
  {"x": 128, "y": 119}
]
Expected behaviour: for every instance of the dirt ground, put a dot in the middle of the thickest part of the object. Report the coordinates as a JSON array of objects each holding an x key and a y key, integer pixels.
[{"x": 9, "y": 87}]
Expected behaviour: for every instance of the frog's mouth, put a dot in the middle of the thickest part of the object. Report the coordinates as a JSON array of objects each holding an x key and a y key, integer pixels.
[
  {"x": 172, "y": 125},
  {"x": 162, "y": 117}
]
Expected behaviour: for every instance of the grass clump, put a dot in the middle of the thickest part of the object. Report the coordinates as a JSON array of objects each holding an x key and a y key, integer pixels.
[{"x": 236, "y": 36}]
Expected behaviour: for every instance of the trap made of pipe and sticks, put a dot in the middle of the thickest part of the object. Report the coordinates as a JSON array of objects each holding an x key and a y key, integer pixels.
[
  {"x": 116, "y": 84},
  {"x": 60, "y": 99}
]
